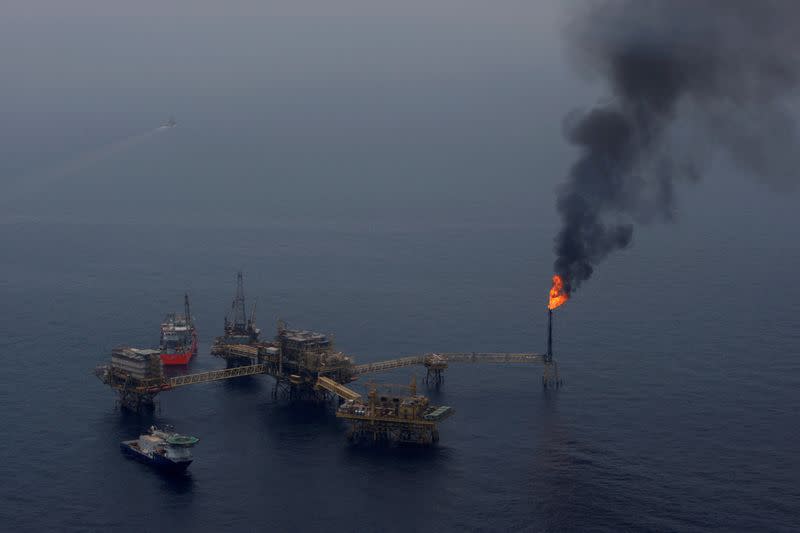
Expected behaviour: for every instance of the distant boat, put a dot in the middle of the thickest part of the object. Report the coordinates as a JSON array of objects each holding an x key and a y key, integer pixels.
[{"x": 169, "y": 123}]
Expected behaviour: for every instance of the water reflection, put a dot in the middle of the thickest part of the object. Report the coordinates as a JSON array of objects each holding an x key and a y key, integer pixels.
[{"x": 177, "y": 482}]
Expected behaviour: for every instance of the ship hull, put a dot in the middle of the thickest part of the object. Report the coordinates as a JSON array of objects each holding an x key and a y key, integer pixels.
[
  {"x": 158, "y": 461},
  {"x": 181, "y": 357}
]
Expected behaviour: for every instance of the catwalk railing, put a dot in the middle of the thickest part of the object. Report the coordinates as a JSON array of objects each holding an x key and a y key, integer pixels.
[
  {"x": 455, "y": 357},
  {"x": 216, "y": 375},
  {"x": 337, "y": 388},
  {"x": 121, "y": 381}
]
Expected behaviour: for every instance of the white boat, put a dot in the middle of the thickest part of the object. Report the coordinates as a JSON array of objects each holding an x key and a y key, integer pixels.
[{"x": 162, "y": 448}]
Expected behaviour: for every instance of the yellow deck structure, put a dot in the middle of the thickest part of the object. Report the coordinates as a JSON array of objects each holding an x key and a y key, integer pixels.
[
  {"x": 306, "y": 366},
  {"x": 391, "y": 418},
  {"x": 140, "y": 393}
]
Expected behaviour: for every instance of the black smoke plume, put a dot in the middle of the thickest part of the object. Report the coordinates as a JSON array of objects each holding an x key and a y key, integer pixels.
[{"x": 686, "y": 78}]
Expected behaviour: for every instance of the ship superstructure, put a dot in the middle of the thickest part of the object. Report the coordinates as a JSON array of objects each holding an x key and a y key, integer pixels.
[
  {"x": 178, "y": 337},
  {"x": 163, "y": 448}
]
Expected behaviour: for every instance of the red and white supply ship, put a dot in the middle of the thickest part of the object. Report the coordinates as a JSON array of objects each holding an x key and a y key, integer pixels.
[{"x": 178, "y": 337}]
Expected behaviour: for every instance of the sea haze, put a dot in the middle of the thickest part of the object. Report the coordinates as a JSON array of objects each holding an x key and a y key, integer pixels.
[{"x": 390, "y": 180}]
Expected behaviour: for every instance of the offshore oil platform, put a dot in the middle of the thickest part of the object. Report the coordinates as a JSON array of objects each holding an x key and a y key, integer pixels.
[
  {"x": 390, "y": 417},
  {"x": 307, "y": 367}
]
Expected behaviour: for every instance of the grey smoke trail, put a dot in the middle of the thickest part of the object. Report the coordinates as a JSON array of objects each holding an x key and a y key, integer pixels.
[{"x": 725, "y": 72}]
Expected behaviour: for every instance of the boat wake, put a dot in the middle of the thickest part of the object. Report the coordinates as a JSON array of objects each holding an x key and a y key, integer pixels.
[{"x": 37, "y": 183}]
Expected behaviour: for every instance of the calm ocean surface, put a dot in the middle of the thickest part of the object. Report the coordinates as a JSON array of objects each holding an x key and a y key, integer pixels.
[
  {"x": 680, "y": 410},
  {"x": 388, "y": 176}
]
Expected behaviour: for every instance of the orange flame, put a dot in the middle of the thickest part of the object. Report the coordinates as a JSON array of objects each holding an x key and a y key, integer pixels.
[{"x": 557, "y": 295}]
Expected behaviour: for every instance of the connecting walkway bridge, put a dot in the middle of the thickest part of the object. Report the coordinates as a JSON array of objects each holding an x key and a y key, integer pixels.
[
  {"x": 368, "y": 368},
  {"x": 380, "y": 366},
  {"x": 137, "y": 392},
  {"x": 337, "y": 388},
  {"x": 121, "y": 381},
  {"x": 439, "y": 359},
  {"x": 216, "y": 375}
]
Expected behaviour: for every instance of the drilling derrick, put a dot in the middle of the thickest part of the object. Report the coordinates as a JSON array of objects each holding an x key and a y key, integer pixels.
[
  {"x": 238, "y": 328},
  {"x": 236, "y": 321}
]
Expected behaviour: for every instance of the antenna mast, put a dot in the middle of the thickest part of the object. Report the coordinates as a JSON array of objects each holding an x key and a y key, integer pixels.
[{"x": 186, "y": 309}]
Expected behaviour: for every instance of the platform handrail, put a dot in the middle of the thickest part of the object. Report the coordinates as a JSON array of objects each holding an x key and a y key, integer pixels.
[
  {"x": 451, "y": 357},
  {"x": 337, "y": 388},
  {"x": 216, "y": 375},
  {"x": 491, "y": 357},
  {"x": 388, "y": 365}
]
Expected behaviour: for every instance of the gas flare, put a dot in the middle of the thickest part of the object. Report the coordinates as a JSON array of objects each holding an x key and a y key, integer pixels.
[{"x": 557, "y": 295}]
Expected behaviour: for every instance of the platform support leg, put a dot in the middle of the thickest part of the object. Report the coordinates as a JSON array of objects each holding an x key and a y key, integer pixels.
[{"x": 550, "y": 377}]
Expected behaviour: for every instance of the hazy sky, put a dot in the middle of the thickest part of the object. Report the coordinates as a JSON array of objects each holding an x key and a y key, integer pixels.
[
  {"x": 115, "y": 49},
  {"x": 500, "y": 9},
  {"x": 312, "y": 110}
]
